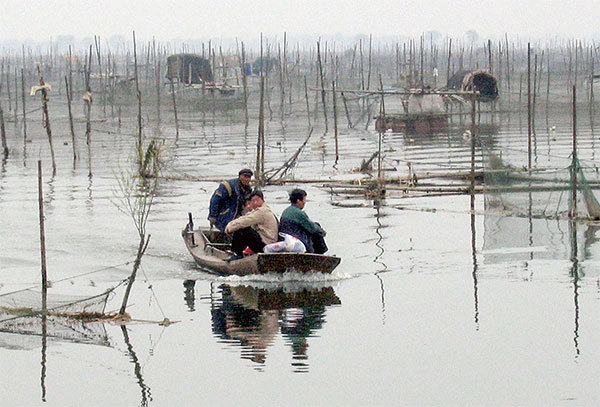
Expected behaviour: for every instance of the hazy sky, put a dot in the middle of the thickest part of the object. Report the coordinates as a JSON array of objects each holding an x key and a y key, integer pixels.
[{"x": 199, "y": 19}]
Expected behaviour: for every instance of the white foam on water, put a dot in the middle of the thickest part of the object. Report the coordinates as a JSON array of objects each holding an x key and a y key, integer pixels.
[{"x": 288, "y": 276}]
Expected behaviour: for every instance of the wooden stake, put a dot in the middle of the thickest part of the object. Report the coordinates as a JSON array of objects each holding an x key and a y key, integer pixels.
[
  {"x": 261, "y": 130},
  {"x": 68, "y": 88},
  {"x": 139, "y": 100},
  {"x": 449, "y": 59},
  {"x": 157, "y": 79},
  {"x": 42, "y": 232},
  {"x": 322, "y": 83},
  {"x": 88, "y": 112},
  {"x": 23, "y": 104},
  {"x": 307, "y": 104},
  {"x": 245, "y": 84},
  {"x": 529, "y": 106},
  {"x": 16, "y": 96},
  {"x": 335, "y": 124},
  {"x": 3, "y": 133},
  {"x": 380, "y": 133},
  {"x": 174, "y": 108},
  {"x": 573, "y": 213},
  {"x": 8, "y": 88},
  {"x": 44, "y": 96},
  {"x": 370, "y": 61}
]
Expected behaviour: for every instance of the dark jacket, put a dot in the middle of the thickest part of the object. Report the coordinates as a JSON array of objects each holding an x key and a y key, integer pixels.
[
  {"x": 294, "y": 221},
  {"x": 227, "y": 202}
]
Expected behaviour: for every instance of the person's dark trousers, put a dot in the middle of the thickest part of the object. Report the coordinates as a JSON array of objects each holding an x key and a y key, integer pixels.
[
  {"x": 246, "y": 237},
  {"x": 318, "y": 242}
]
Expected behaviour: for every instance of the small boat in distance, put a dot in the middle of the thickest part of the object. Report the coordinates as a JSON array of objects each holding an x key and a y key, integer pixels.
[{"x": 210, "y": 250}]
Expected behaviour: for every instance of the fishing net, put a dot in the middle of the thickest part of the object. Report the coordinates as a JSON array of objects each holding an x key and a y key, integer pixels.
[
  {"x": 547, "y": 193},
  {"x": 68, "y": 318}
]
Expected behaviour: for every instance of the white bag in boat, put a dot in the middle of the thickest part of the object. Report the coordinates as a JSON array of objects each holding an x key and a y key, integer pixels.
[{"x": 289, "y": 244}]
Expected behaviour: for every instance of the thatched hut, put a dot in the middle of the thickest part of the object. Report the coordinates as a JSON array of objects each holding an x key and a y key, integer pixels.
[
  {"x": 189, "y": 69},
  {"x": 478, "y": 80}
]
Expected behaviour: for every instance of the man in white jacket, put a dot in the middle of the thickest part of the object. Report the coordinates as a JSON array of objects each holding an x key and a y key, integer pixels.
[{"x": 255, "y": 229}]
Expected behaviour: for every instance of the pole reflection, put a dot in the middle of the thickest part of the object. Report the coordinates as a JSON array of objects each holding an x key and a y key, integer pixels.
[
  {"x": 252, "y": 318},
  {"x": 44, "y": 343},
  {"x": 475, "y": 267},
  {"x": 146, "y": 394},
  {"x": 378, "y": 216},
  {"x": 574, "y": 273}
]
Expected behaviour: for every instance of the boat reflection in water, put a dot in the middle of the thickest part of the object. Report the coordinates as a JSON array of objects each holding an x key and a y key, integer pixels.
[{"x": 252, "y": 317}]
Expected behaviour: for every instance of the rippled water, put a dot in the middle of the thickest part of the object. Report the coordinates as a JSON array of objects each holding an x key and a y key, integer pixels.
[{"x": 431, "y": 305}]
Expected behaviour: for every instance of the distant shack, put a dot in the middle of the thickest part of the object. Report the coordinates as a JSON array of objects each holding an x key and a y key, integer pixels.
[
  {"x": 478, "y": 80},
  {"x": 189, "y": 69},
  {"x": 264, "y": 65}
]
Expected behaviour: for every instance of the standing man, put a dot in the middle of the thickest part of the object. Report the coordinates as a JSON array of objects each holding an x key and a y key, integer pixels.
[
  {"x": 295, "y": 222},
  {"x": 255, "y": 229},
  {"x": 227, "y": 202}
]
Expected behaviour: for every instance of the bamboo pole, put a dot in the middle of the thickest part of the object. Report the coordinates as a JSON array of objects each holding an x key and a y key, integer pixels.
[
  {"x": 16, "y": 96},
  {"x": 267, "y": 82},
  {"x": 529, "y": 106},
  {"x": 307, "y": 104},
  {"x": 548, "y": 85},
  {"x": 507, "y": 65},
  {"x": 591, "y": 81},
  {"x": 322, "y": 79},
  {"x": 68, "y": 89},
  {"x": 335, "y": 124},
  {"x": 157, "y": 79},
  {"x": 8, "y": 86},
  {"x": 23, "y": 105},
  {"x": 174, "y": 107},
  {"x": 70, "y": 73},
  {"x": 281, "y": 84},
  {"x": 449, "y": 59},
  {"x": 44, "y": 97},
  {"x": 370, "y": 61},
  {"x": 88, "y": 112},
  {"x": 245, "y": 84},
  {"x": 534, "y": 95},
  {"x": 103, "y": 78},
  {"x": 380, "y": 134},
  {"x": 139, "y": 100},
  {"x": 3, "y": 133},
  {"x": 42, "y": 233},
  {"x": 113, "y": 83},
  {"x": 44, "y": 278},
  {"x": 346, "y": 110},
  {"x": 261, "y": 129},
  {"x": 573, "y": 213},
  {"x": 421, "y": 63}
]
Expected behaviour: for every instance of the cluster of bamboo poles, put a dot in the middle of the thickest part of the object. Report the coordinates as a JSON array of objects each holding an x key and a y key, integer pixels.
[{"x": 285, "y": 70}]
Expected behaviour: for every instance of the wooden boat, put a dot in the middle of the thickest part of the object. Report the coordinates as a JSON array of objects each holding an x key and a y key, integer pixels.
[
  {"x": 210, "y": 249},
  {"x": 425, "y": 123}
]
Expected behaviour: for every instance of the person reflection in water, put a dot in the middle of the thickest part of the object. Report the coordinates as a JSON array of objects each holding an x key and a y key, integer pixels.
[
  {"x": 254, "y": 329},
  {"x": 253, "y": 317},
  {"x": 190, "y": 297}
]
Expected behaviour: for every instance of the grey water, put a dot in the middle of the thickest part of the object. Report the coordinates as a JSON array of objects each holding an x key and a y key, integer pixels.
[{"x": 432, "y": 304}]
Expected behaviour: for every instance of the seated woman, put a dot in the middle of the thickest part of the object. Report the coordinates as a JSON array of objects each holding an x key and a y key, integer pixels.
[
  {"x": 255, "y": 229},
  {"x": 294, "y": 221}
]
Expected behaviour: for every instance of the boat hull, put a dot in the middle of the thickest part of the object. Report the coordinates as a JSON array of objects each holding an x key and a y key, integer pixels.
[{"x": 208, "y": 250}]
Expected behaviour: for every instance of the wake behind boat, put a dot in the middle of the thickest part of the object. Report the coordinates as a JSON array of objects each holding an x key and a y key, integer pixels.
[{"x": 210, "y": 249}]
